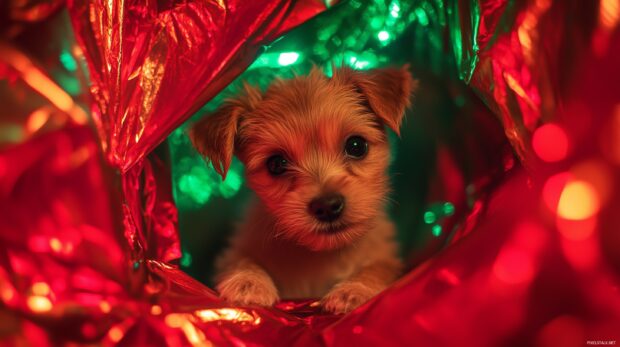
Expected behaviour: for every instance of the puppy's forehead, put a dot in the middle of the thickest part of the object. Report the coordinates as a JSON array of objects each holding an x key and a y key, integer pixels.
[{"x": 310, "y": 111}]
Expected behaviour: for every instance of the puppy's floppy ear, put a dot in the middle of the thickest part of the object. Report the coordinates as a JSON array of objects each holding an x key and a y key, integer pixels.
[
  {"x": 387, "y": 90},
  {"x": 214, "y": 135}
]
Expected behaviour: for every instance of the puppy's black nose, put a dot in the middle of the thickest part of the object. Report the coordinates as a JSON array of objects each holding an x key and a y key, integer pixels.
[{"x": 327, "y": 208}]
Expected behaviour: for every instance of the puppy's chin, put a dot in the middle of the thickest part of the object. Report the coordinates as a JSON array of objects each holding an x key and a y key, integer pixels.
[{"x": 331, "y": 236}]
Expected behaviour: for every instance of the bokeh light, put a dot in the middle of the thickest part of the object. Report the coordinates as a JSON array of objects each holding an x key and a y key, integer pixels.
[
  {"x": 578, "y": 201},
  {"x": 394, "y": 10},
  {"x": 288, "y": 58},
  {"x": 383, "y": 35},
  {"x": 7, "y": 293},
  {"x": 429, "y": 217},
  {"x": 186, "y": 259},
  {"x": 436, "y": 230},
  {"x": 39, "y": 304},
  {"x": 156, "y": 310},
  {"x": 421, "y": 16},
  {"x": 435, "y": 215},
  {"x": 40, "y": 288},
  {"x": 55, "y": 244},
  {"x": 174, "y": 320},
  {"x": 37, "y": 119},
  {"x": 105, "y": 307},
  {"x": 67, "y": 61},
  {"x": 448, "y": 208},
  {"x": 550, "y": 143},
  {"x": 115, "y": 334}
]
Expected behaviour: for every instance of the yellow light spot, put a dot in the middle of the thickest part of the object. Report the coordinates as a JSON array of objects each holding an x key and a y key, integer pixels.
[
  {"x": 155, "y": 310},
  {"x": 105, "y": 307},
  {"x": 115, "y": 334},
  {"x": 194, "y": 336},
  {"x": 77, "y": 51},
  {"x": 518, "y": 89},
  {"x": 527, "y": 32},
  {"x": 55, "y": 244},
  {"x": 226, "y": 314},
  {"x": 609, "y": 13},
  {"x": 523, "y": 32},
  {"x": 578, "y": 201},
  {"x": 40, "y": 288},
  {"x": 39, "y": 304},
  {"x": 174, "y": 320},
  {"x": 37, "y": 119}
]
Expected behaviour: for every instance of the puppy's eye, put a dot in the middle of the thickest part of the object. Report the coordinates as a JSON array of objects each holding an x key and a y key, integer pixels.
[
  {"x": 276, "y": 164},
  {"x": 356, "y": 147}
]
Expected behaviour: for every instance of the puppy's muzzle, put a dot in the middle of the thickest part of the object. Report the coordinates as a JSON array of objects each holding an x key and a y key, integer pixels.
[{"x": 327, "y": 208}]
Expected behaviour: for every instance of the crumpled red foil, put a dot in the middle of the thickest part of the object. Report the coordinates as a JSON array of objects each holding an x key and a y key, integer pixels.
[
  {"x": 60, "y": 256},
  {"x": 536, "y": 263},
  {"x": 153, "y": 64}
]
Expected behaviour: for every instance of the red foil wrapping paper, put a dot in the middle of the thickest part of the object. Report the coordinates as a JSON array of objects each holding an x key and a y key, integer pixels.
[
  {"x": 536, "y": 263},
  {"x": 154, "y": 63},
  {"x": 60, "y": 256}
]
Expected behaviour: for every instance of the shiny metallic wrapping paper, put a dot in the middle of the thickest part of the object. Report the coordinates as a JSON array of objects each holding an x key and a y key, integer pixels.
[{"x": 88, "y": 226}]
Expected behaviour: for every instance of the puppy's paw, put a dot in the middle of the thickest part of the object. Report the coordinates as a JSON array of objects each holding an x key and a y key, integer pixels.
[
  {"x": 347, "y": 296},
  {"x": 247, "y": 288}
]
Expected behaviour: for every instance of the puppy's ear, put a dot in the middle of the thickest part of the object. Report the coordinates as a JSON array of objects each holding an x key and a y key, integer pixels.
[
  {"x": 387, "y": 91},
  {"x": 214, "y": 135}
]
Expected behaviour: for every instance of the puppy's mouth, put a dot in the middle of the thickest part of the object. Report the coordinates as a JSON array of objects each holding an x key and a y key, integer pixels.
[{"x": 334, "y": 228}]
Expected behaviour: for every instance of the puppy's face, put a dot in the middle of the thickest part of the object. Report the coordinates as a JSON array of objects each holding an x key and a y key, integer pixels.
[{"x": 314, "y": 148}]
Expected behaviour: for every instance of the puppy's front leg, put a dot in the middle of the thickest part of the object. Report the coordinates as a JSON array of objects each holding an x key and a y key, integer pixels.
[
  {"x": 361, "y": 287},
  {"x": 243, "y": 282}
]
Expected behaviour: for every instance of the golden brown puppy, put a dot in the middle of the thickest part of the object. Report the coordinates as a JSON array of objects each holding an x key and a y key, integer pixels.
[{"x": 316, "y": 153}]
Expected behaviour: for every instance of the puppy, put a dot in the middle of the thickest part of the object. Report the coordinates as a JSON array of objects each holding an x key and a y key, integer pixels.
[{"x": 316, "y": 153}]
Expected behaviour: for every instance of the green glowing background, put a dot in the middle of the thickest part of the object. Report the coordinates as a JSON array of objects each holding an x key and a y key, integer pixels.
[{"x": 363, "y": 35}]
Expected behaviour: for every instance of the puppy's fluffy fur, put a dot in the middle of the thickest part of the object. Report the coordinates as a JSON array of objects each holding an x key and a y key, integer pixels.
[{"x": 282, "y": 250}]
